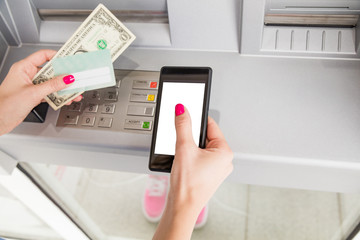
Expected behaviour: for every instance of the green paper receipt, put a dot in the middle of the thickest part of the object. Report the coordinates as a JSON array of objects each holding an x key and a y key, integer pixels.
[{"x": 91, "y": 70}]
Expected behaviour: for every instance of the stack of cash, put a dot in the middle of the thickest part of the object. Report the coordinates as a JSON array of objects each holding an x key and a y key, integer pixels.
[{"x": 101, "y": 30}]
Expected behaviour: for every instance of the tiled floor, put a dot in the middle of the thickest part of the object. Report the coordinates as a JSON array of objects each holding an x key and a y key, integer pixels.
[
  {"x": 118, "y": 211},
  {"x": 112, "y": 202},
  {"x": 291, "y": 214},
  {"x": 237, "y": 211}
]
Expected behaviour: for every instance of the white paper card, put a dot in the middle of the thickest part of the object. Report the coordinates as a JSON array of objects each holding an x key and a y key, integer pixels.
[{"x": 89, "y": 80}]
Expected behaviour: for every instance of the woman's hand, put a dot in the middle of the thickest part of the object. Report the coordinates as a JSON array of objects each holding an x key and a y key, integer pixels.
[
  {"x": 18, "y": 95},
  {"x": 195, "y": 176}
]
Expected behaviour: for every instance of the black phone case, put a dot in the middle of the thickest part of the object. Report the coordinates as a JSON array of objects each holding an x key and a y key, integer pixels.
[{"x": 167, "y": 160}]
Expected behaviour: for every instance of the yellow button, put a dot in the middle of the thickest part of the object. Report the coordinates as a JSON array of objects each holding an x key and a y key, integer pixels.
[{"x": 151, "y": 97}]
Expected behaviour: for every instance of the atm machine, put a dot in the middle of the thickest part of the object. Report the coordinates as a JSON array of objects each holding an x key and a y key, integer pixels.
[{"x": 285, "y": 92}]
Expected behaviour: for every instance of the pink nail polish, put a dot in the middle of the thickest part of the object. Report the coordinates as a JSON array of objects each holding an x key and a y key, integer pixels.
[
  {"x": 179, "y": 109},
  {"x": 69, "y": 79}
]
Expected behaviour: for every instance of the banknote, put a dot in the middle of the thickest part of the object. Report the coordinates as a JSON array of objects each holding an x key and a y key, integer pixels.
[{"x": 100, "y": 30}]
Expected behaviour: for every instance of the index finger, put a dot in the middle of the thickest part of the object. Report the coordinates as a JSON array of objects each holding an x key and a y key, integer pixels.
[
  {"x": 213, "y": 131},
  {"x": 40, "y": 57}
]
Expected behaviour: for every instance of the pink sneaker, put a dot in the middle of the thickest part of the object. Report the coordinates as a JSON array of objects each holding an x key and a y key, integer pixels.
[
  {"x": 202, "y": 218},
  {"x": 155, "y": 197}
]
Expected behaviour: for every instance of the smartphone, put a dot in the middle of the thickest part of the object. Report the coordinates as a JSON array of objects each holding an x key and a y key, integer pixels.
[{"x": 189, "y": 86}]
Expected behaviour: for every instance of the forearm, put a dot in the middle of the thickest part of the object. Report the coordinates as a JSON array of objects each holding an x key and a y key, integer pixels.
[
  {"x": 3, "y": 127},
  {"x": 7, "y": 111},
  {"x": 177, "y": 223}
]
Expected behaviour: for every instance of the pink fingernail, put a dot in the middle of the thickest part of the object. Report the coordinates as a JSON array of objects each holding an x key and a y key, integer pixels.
[
  {"x": 69, "y": 79},
  {"x": 179, "y": 109}
]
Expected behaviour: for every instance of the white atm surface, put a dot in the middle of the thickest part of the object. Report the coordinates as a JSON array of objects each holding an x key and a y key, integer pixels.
[{"x": 291, "y": 120}]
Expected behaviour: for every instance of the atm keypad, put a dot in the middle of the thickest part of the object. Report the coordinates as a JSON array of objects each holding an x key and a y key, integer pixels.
[{"x": 128, "y": 106}]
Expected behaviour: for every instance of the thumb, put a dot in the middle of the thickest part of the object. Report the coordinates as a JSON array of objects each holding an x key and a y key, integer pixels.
[
  {"x": 183, "y": 126},
  {"x": 53, "y": 85}
]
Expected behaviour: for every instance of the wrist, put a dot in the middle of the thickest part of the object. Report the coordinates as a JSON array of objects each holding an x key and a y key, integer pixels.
[
  {"x": 185, "y": 198},
  {"x": 178, "y": 219},
  {"x": 182, "y": 207},
  {"x": 177, "y": 223}
]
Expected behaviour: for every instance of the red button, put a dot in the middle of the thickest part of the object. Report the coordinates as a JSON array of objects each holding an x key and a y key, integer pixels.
[{"x": 153, "y": 84}]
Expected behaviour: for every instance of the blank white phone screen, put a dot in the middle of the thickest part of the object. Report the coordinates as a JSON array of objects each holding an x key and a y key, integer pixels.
[{"x": 191, "y": 95}]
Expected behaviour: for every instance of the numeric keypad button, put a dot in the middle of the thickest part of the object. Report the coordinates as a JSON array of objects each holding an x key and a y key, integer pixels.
[
  {"x": 95, "y": 95},
  {"x": 105, "y": 122},
  {"x": 71, "y": 119},
  {"x": 88, "y": 121},
  {"x": 91, "y": 108},
  {"x": 75, "y": 107},
  {"x": 111, "y": 96},
  {"x": 108, "y": 108}
]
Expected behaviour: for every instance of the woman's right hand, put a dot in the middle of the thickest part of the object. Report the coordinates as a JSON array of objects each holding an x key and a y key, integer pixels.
[
  {"x": 197, "y": 173},
  {"x": 195, "y": 176}
]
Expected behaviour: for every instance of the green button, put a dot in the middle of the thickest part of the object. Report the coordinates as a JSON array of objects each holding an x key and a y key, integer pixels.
[{"x": 146, "y": 125}]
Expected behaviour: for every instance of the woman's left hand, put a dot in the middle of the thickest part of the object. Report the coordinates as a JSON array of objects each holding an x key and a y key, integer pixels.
[{"x": 18, "y": 95}]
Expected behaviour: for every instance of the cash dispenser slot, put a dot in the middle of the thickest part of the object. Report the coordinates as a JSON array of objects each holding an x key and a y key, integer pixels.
[
  {"x": 48, "y": 22},
  {"x": 137, "y": 16}
]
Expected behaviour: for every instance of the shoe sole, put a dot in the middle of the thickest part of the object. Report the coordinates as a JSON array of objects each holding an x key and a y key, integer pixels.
[{"x": 200, "y": 225}]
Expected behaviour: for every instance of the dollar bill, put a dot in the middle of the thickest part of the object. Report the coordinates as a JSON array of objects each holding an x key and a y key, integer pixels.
[{"x": 100, "y": 30}]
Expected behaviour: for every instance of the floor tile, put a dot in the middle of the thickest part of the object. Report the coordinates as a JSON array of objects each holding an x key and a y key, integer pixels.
[
  {"x": 113, "y": 201},
  {"x": 227, "y": 214},
  {"x": 276, "y": 213}
]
